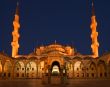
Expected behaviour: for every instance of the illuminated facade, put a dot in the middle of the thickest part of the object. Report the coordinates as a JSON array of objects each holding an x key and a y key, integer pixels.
[{"x": 54, "y": 60}]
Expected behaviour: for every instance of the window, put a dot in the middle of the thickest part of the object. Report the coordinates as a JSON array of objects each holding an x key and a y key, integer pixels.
[
  {"x": 9, "y": 74},
  {"x": 17, "y": 74},
  {"x": 92, "y": 74},
  {"x": 22, "y": 68},
  {"x": 100, "y": 74},
  {"x": 32, "y": 69},
  {"x": 87, "y": 74},
  {"x": 4, "y": 74},
  {"x": 27, "y": 69},
  {"x": 82, "y": 69},
  {"x": 17, "y": 68},
  {"x": 105, "y": 74},
  {"x": 22, "y": 74},
  {"x": 92, "y": 68},
  {"x": 77, "y": 74}
]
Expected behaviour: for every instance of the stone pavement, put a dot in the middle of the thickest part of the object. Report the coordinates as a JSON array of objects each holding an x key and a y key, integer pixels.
[{"x": 71, "y": 83}]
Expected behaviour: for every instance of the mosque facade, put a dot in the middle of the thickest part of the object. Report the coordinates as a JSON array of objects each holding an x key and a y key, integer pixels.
[{"x": 54, "y": 59}]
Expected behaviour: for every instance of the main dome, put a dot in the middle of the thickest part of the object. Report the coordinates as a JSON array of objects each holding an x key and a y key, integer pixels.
[{"x": 68, "y": 50}]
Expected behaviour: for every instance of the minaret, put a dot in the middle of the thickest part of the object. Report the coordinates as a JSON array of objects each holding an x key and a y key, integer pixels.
[
  {"x": 15, "y": 33},
  {"x": 94, "y": 34}
]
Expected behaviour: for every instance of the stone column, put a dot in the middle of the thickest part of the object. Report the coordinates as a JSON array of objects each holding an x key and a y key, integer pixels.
[
  {"x": 96, "y": 71},
  {"x": 25, "y": 72},
  {"x": 62, "y": 78},
  {"x": 2, "y": 71},
  {"x": 37, "y": 69},
  {"x": 73, "y": 70},
  {"x": 12, "y": 73},
  {"x": 49, "y": 75}
]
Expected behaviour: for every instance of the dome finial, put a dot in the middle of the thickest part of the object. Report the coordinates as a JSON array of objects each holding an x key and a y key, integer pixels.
[{"x": 55, "y": 41}]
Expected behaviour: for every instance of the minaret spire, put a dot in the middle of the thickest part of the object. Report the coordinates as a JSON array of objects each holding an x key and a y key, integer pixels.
[
  {"x": 93, "y": 8},
  {"x": 94, "y": 34},
  {"x": 15, "y": 33},
  {"x": 17, "y": 8}
]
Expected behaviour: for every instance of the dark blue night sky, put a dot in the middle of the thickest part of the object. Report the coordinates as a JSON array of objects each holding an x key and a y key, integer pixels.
[{"x": 44, "y": 21}]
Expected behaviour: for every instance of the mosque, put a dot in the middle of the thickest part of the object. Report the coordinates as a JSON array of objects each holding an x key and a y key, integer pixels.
[{"x": 54, "y": 59}]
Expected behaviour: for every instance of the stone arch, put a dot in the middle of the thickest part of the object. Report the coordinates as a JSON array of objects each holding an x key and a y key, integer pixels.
[
  {"x": 79, "y": 69},
  {"x": 7, "y": 69},
  {"x": 92, "y": 70},
  {"x": 40, "y": 69},
  {"x": 69, "y": 69},
  {"x": 19, "y": 69},
  {"x": 101, "y": 69},
  {"x": 57, "y": 60},
  {"x": 31, "y": 70},
  {"x": 82, "y": 70},
  {"x": 56, "y": 65}
]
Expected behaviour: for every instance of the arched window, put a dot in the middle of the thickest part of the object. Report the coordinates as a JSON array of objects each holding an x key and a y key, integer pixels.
[
  {"x": 7, "y": 69},
  {"x": 31, "y": 70},
  {"x": 19, "y": 69},
  {"x": 79, "y": 69},
  {"x": 101, "y": 69},
  {"x": 92, "y": 70}
]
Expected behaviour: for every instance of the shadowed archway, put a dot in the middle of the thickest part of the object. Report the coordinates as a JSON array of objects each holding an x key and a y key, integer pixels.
[{"x": 55, "y": 68}]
